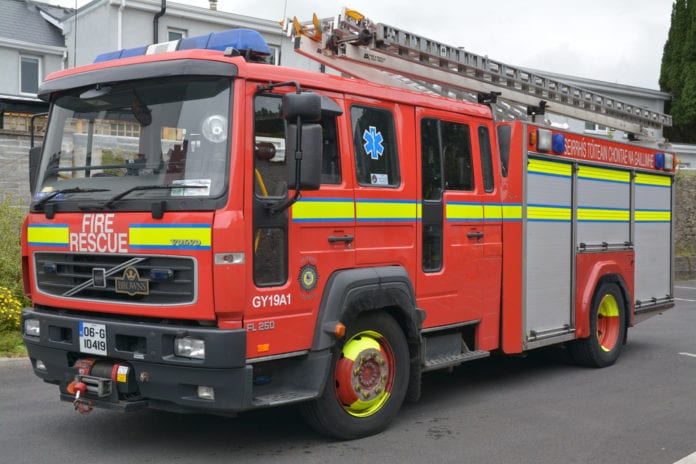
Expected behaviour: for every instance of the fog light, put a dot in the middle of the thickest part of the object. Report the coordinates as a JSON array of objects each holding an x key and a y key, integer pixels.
[
  {"x": 206, "y": 393},
  {"x": 32, "y": 327},
  {"x": 40, "y": 365},
  {"x": 189, "y": 347}
]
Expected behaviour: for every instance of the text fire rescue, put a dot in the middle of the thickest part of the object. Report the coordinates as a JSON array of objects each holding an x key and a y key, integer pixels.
[{"x": 98, "y": 235}]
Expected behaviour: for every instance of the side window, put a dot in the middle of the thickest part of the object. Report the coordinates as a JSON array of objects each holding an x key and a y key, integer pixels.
[
  {"x": 269, "y": 146},
  {"x": 432, "y": 206},
  {"x": 431, "y": 159},
  {"x": 456, "y": 148},
  {"x": 486, "y": 159},
  {"x": 504, "y": 135},
  {"x": 376, "y": 155},
  {"x": 270, "y": 236},
  {"x": 331, "y": 158}
]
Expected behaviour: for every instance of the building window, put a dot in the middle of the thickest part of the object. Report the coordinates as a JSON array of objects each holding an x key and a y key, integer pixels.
[
  {"x": 275, "y": 55},
  {"x": 175, "y": 34},
  {"x": 29, "y": 75}
]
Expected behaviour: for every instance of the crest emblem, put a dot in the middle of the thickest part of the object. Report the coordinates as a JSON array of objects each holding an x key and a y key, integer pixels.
[{"x": 131, "y": 283}]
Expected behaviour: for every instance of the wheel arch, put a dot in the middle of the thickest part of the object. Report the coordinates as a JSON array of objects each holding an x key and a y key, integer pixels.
[
  {"x": 351, "y": 292},
  {"x": 602, "y": 273}
]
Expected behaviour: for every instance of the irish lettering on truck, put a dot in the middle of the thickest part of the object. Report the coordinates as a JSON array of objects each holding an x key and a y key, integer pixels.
[{"x": 212, "y": 233}]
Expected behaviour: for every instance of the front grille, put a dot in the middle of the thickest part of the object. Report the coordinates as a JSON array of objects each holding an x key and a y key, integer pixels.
[{"x": 132, "y": 279}]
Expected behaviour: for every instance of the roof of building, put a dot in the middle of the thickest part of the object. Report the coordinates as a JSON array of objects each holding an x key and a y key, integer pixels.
[{"x": 22, "y": 20}]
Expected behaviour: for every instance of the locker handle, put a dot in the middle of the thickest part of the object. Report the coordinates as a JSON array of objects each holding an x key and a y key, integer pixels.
[{"x": 345, "y": 238}]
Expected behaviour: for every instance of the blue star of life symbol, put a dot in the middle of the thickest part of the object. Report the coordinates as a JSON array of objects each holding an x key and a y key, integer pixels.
[{"x": 373, "y": 142}]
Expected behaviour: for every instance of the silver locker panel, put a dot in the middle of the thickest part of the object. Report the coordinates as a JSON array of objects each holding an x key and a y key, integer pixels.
[
  {"x": 653, "y": 237},
  {"x": 604, "y": 206},
  {"x": 548, "y": 259}
]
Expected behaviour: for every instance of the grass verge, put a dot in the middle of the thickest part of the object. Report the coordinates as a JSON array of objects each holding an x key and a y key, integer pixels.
[{"x": 11, "y": 345}]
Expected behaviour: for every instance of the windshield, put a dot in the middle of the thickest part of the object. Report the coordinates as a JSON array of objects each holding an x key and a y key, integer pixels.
[{"x": 127, "y": 144}]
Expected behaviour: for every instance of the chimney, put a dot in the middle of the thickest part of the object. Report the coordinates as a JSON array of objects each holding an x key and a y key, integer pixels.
[{"x": 213, "y": 5}]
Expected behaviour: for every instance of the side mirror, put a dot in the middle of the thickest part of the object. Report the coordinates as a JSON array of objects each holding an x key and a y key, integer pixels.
[
  {"x": 303, "y": 106},
  {"x": 34, "y": 163},
  {"x": 310, "y": 171}
]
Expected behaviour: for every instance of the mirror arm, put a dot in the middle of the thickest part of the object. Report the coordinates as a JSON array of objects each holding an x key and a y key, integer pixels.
[{"x": 276, "y": 208}]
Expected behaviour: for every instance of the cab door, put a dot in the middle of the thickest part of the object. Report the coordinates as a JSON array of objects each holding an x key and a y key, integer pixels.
[
  {"x": 295, "y": 250},
  {"x": 460, "y": 238}
]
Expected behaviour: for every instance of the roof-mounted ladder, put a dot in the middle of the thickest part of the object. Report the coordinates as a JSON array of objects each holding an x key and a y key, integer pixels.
[{"x": 356, "y": 46}]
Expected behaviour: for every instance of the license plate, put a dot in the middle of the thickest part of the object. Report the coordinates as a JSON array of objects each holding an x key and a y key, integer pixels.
[{"x": 93, "y": 338}]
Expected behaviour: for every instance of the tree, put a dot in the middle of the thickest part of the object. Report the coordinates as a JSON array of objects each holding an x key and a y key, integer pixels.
[{"x": 678, "y": 71}]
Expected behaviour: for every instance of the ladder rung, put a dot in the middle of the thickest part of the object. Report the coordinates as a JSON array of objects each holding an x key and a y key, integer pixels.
[{"x": 428, "y": 64}]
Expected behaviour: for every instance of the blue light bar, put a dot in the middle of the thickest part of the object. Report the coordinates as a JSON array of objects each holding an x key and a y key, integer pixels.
[
  {"x": 659, "y": 160},
  {"x": 247, "y": 42}
]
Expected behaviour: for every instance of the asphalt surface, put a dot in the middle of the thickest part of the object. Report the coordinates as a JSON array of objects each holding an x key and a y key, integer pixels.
[{"x": 538, "y": 408}]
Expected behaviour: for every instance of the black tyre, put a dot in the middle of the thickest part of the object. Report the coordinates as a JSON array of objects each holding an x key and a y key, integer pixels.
[
  {"x": 607, "y": 329},
  {"x": 367, "y": 383}
]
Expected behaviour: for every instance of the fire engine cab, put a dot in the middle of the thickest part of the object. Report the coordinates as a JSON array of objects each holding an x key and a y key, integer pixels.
[{"x": 212, "y": 233}]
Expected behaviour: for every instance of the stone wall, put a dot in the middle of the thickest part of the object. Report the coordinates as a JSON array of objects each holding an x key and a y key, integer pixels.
[
  {"x": 685, "y": 225},
  {"x": 14, "y": 165}
]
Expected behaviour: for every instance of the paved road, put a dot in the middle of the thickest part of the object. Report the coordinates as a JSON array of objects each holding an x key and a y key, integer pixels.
[{"x": 534, "y": 409}]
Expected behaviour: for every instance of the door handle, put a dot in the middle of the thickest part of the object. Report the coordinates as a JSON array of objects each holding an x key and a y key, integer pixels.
[
  {"x": 344, "y": 238},
  {"x": 476, "y": 235}
]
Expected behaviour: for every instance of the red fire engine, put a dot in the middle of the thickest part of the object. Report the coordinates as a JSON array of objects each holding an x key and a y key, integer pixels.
[{"x": 209, "y": 232}]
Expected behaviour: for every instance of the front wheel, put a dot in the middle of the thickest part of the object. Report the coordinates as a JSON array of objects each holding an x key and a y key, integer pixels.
[
  {"x": 368, "y": 380},
  {"x": 607, "y": 329}
]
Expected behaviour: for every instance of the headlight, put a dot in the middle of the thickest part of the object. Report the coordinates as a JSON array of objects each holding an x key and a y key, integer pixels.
[
  {"x": 189, "y": 347},
  {"x": 32, "y": 327}
]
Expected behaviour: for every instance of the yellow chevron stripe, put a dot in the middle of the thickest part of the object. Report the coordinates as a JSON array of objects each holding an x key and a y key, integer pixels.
[
  {"x": 651, "y": 179},
  {"x": 598, "y": 214},
  {"x": 653, "y": 216},
  {"x": 548, "y": 213},
  {"x": 386, "y": 210},
  {"x": 464, "y": 211},
  {"x": 512, "y": 212},
  {"x": 169, "y": 236},
  {"x": 51, "y": 235},
  {"x": 492, "y": 212},
  {"x": 549, "y": 167},
  {"x": 329, "y": 210},
  {"x": 590, "y": 172}
]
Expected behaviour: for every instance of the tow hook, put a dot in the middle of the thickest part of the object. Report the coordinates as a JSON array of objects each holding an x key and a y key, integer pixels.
[{"x": 82, "y": 405}]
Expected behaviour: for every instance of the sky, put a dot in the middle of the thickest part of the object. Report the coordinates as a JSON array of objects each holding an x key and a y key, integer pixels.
[{"x": 618, "y": 41}]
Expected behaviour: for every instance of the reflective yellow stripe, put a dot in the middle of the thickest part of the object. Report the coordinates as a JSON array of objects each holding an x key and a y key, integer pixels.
[
  {"x": 180, "y": 237},
  {"x": 603, "y": 215},
  {"x": 48, "y": 235},
  {"x": 492, "y": 212},
  {"x": 653, "y": 216},
  {"x": 464, "y": 211},
  {"x": 651, "y": 179},
  {"x": 589, "y": 172},
  {"x": 377, "y": 210},
  {"x": 512, "y": 212},
  {"x": 548, "y": 213},
  {"x": 319, "y": 210},
  {"x": 549, "y": 168}
]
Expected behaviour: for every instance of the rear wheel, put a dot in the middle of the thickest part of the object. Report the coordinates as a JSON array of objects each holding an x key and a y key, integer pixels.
[
  {"x": 607, "y": 329},
  {"x": 368, "y": 380}
]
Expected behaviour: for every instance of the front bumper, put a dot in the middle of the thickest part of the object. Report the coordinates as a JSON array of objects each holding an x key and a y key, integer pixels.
[
  {"x": 162, "y": 379},
  {"x": 159, "y": 379}
]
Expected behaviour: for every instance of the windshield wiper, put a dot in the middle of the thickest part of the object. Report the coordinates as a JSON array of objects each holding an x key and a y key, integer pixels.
[
  {"x": 51, "y": 195},
  {"x": 127, "y": 192}
]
